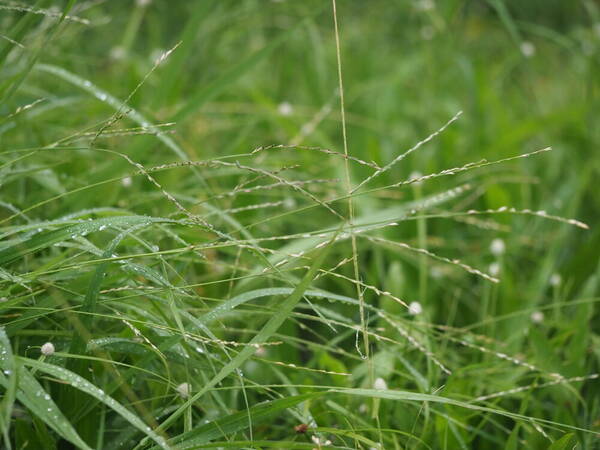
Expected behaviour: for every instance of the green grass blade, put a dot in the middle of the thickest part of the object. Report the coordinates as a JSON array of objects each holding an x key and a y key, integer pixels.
[
  {"x": 34, "y": 58},
  {"x": 31, "y": 394},
  {"x": 85, "y": 386},
  {"x": 263, "y": 335},
  {"x": 418, "y": 397},
  {"x": 227, "y": 426},
  {"x": 175, "y": 67},
  {"x": 567, "y": 442},
  {"x": 230, "y": 76},
  {"x": 46, "y": 239},
  {"x": 113, "y": 102}
]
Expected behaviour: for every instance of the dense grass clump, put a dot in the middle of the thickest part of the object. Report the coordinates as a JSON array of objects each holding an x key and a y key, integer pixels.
[{"x": 281, "y": 224}]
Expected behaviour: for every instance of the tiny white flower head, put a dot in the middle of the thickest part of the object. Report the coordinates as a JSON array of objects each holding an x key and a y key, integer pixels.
[
  {"x": 380, "y": 384},
  {"x": 184, "y": 390},
  {"x": 143, "y": 3},
  {"x": 415, "y": 175},
  {"x": 363, "y": 408},
  {"x": 555, "y": 279},
  {"x": 3, "y": 299},
  {"x": 497, "y": 247},
  {"x": 527, "y": 49},
  {"x": 285, "y": 109},
  {"x": 537, "y": 317},
  {"x": 494, "y": 269},
  {"x": 320, "y": 441},
  {"x": 289, "y": 203},
  {"x": 415, "y": 308},
  {"x": 117, "y": 53},
  {"x": 126, "y": 182},
  {"x": 47, "y": 349},
  {"x": 260, "y": 351}
]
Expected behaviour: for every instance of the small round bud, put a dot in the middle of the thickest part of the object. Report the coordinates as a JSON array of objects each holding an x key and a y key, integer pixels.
[
  {"x": 47, "y": 349},
  {"x": 494, "y": 269},
  {"x": 527, "y": 49},
  {"x": 380, "y": 384},
  {"x": 184, "y": 390},
  {"x": 497, "y": 247},
  {"x": 537, "y": 317},
  {"x": 415, "y": 308},
  {"x": 285, "y": 109}
]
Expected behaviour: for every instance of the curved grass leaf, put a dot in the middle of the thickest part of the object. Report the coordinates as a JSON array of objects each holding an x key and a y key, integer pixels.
[
  {"x": 418, "y": 397},
  {"x": 567, "y": 442},
  {"x": 227, "y": 426},
  {"x": 225, "y": 307},
  {"x": 276, "y": 320},
  {"x": 46, "y": 239},
  {"x": 85, "y": 386},
  {"x": 31, "y": 394},
  {"x": 114, "y": 102}
]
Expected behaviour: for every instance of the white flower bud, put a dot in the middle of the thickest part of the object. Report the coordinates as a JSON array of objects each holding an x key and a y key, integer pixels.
[
  {"x": 537, "y": 316},
  {"x": 47, "y": 349},
  {"x": 184, "y": 390},
  {"x": 415, "y": 308},
  {"x": 494, "y": 269},
  {"x": 285, "y": 109},
  {"x": 380, "y": 384},
  {"x": 497, "y": 247},
  {"x": 527, "y": 49}
]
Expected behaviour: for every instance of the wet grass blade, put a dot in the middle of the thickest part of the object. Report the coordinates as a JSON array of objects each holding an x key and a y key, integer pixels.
[
  {"x": 227, "y": 426},
  {"x": 263, "y": 335},
  {"x": 46, "y": 239},
  {"x": 30, "y": 393},
  {"x": 86, "y": 387},
  {"x": 113, "y": 102}
]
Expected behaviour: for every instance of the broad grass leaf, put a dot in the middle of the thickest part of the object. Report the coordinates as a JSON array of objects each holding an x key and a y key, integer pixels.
[
  {"x": 86, "y": 387},
  {"x": 31, "y": 394},
  {"x": 45, "y": 239}
]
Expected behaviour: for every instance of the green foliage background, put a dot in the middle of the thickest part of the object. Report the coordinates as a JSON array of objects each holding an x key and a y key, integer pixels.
[{"x": 105, "y": 264}]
